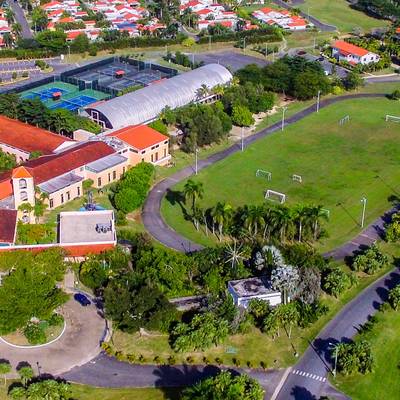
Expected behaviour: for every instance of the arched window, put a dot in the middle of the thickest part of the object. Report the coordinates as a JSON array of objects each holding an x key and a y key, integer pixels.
[
  {"x": 22, "y": 184},
  {"x": 24, "y": 196}
]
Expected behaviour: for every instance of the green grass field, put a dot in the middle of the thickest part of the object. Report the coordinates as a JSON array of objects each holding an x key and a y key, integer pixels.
[
  {"x": 383, "y": 382},
  {"x": 340, "y": 14},
  {"x": 339, "y": 165}
]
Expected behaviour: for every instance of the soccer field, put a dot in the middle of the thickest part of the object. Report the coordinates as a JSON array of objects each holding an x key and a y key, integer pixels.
[{"x": 338, "y": 165}]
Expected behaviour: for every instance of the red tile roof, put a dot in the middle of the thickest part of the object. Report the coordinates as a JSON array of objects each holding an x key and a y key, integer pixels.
[
  {"x": 349, "y": 48},
  {"x": 27, "y": 137},
  {"x": 8, "y": 220},
  {"x": 47, "y": 167},
  {"x": 21, "y": 172},
  {"x": 139, "y": 136}
]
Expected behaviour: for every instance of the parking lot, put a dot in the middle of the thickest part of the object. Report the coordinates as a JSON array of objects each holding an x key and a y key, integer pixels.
[{"x": 229, "y": 59}]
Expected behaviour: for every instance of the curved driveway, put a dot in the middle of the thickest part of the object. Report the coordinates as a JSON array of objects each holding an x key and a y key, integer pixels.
[
  {"x": 79, "y": 343},
  {"x": 151, "y": 215}
]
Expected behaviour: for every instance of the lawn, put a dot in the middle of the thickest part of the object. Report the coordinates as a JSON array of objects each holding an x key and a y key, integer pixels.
[
  {"x": 340, "y": 14},
  {"x": 338, "y": 165},
  {"x": 82, "y": 392}
]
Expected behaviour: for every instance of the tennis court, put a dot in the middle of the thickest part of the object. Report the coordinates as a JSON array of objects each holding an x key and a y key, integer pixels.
[{"x": 71, "y": 99}]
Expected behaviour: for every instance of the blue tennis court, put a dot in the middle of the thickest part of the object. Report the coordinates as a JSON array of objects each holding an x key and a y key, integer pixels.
[
  {"x": 74, "y": 103},
  {"x": 44, "y": 94}
]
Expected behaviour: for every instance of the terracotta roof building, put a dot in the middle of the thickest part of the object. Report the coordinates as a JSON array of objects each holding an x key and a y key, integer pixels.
[
  {"x": 21, "y": 139},
  {"x": 8, "y": 223},
  {"x": 344, "y": 51}
]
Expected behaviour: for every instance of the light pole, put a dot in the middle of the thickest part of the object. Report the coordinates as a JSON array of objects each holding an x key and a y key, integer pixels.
[
  {"x": 364, "y": 203},
  {"x": 209, "y": 42},
  {"x": 242, "y": 139},
  {"x": 283, "y": 118},
  {"x": 335, "y": 347},
  {"x": 195, "y": 161},
  {"x": 69, "y": 52},
  {"x": 318, "y": 99}
]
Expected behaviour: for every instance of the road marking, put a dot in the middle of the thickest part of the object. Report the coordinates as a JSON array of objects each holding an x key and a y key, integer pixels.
[{"x": 309, "y": 375}]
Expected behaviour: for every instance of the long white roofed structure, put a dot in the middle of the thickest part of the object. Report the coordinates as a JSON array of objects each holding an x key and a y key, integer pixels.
[{"x": 144, "y": 105}]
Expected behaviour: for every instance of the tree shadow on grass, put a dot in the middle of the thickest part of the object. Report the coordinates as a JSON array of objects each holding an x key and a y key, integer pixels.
[{"x": 177, "y": 197}]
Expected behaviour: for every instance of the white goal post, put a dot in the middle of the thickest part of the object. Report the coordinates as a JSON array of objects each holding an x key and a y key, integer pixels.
[
  {"x": 297, "y": 178},
  {"x": 264, "y": 174},
  {"x": 392, "y": 118},
  {"x": 345, "y": 119},
  {"x": 271, "y": 194}
]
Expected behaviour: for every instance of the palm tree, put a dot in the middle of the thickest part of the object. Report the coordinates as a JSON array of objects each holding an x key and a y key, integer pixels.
[
  {"x": 221, "y": 214},
  {"x": 282, "y": 220},
  {"x": 26, "y": 374},
  {"x": 317, "y": 213},
  {"x": 9, "y": 15},
  {"x": 5, "y": 368},
  {"x": 254, "y": 218},
  {"x": 8, "y": 39},
  {"x": 16, "y": 29},
  {"x": 301, "y": 213},
  {"x": 193, "y": 190},
  {"x": 202, "y": 91},
  {"x": 218, "y": 90}
]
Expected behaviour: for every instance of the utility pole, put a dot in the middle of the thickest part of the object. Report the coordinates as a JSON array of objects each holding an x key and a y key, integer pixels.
[
  {"x": 209, "y": 42},
  {"x": 318, "y": 100},
  {"x": 283, "y": 118},
  {"x": 364, "y": 203},
  {"x": 195, "y": 161},
  {"x": 242, "y": 139},
  {"x": 244, "y": 45}
]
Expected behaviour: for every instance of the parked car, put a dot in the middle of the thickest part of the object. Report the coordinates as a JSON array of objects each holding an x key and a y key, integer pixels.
[{"x": 82, "y": 299}]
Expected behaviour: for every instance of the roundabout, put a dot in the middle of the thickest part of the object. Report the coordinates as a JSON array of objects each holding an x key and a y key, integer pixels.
[{"x": 78, "y": 343}]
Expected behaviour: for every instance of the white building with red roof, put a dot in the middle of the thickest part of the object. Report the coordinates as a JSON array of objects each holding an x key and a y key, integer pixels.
[
  {"x": 344, "y": 51},
  {"x": 282, "y": 18}
]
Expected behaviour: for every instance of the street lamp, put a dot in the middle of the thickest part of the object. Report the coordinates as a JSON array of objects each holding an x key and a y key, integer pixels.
[
  {"x": 242, "y": 139},
  {"x": 195, "y": 162},
  {"x": 335, "y": 347},
  {"x": 364, "y": 203},
  {"x": 283, "y": 118},
  {"x": 318, "y": 99}
]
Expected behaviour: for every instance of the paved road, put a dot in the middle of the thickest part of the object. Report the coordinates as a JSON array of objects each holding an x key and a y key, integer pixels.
[
  {"x": 20, "y": 18},
  {"x": 307, "y": 380},
  {"x": 104, "y": 371},
  {"x": 320, "y": 25},
  {"x": 152, "y": 218}
]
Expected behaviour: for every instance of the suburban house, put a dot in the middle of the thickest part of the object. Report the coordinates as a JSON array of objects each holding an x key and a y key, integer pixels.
[
  {"x": 354, "y": 55},
  {"x": 22, "y": 140},
  {"x": 245, "y": 290},
  {"x": 282, "y": 18}
]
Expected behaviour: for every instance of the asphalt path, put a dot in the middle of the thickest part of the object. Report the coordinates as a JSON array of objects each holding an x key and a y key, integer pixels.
[
  {"x": 318, "y": 24},
  {"x": 307, "y": 379},
  {"x": 21, "y": 19},
  {"x": 151, "y": 215}
]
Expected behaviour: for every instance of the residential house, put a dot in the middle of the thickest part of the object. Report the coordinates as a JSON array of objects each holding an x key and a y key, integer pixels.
[{"x": 344, "y": 51}]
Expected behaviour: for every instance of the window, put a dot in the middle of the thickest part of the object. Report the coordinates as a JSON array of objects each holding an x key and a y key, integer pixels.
[
  {"x": 78, "y": 190},
  {"x": 22, "y": 184},
  {"x": 152, "y": 158},
  {"x": 109, "y": 177},
  {"x": 144, "y": 151},
  {"x": 68, "y": 196},
  {"x": 24, "y": 196},
  {"x": 51, "y": 205},
  {"x": 114, "y": 175},
  {"x": 62, "y": 199},
  {"x": 98, "y": 181},
  {"x": 165, "y": 152},
  {"x": 156, "y": 156}
]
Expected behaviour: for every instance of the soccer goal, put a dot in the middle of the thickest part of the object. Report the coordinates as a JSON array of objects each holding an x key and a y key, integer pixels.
[
  {"x": 392, "y": 118},
  {"x": 297, "y": 178},
  {"x": 344, "y": 120},
  {"x": 275, "y": 196},
  {"x": 260, "y": 173}
]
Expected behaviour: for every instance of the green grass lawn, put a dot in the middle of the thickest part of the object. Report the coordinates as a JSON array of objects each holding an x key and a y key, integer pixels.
[
  {"x": 340, "y": 14},
  {"x": 339, "y": 165},
  {"x": 82, "y": 392}
]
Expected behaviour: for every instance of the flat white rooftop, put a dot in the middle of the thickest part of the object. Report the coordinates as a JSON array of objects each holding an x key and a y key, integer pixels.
[{"x": 86, "y": 227}]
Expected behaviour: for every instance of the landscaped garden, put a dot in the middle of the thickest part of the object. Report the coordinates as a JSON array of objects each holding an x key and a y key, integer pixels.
[{"x": 320, "y": 150}]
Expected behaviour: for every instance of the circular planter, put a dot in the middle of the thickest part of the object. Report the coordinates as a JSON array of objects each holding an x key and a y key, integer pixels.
[{"x": 19, "y": 346}]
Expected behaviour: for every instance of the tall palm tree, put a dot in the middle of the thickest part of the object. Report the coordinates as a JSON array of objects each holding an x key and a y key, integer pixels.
[
  {"x": 193, "y": 190},
  {"x": 254, "y": 218},
  {"x": 202, "y": 91},
  {"x": 16, "y": 29},
  {"x": 301, "y": 213},
  {"x": 282, "y": 220},
  {"x": 8, "y": 39},
  {"x": 9, "y": 15},
  {"x": 222, "y": 214},
  {"x": 317, "y": 214}
]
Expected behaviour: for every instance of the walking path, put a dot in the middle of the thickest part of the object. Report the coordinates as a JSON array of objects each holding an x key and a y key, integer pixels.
[{"x": 151, "y": 215}]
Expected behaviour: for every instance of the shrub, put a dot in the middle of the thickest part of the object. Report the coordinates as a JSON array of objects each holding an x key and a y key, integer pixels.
[
  {"x": 171, "y": 360},
  {"x": 370, "y": 261},
  {"x": 249, "y": 364},
  {"x": 236, "y": 362},
  {"x": 206, "y": 360},
  {"x": 157, "y": 360},
  {"x": 56, "y": 320},
  {"x": 35, "y": 334},
  {"x": 218, "y": 361},
  {"x": 263, "y": 365},
  {"x": 190, "y": 360},
  {"x": 93, "y": 51},
  {"x": 131, "y": 357}
]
